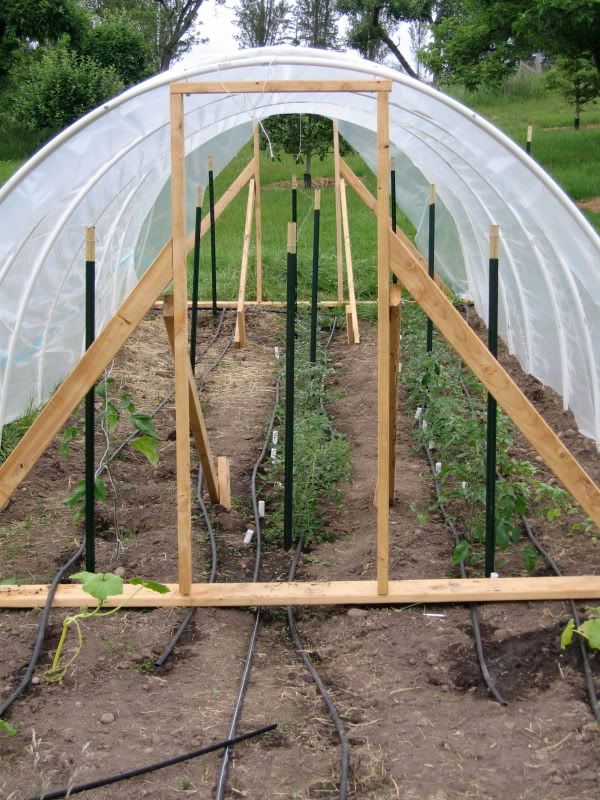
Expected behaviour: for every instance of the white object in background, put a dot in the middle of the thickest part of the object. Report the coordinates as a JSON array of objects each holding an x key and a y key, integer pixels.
[
  {"x": 248, "y": 536},
  {"x": 276, "y": 352},
  {"x": 275, "y": 436},
  {"x": 261, "y": 508},
  {"x": 273, "y": 454},
  {"x": 464, "y": 486},
  {"x": 431, "y": 445},
  {"x": 424, "y": 424},
  {"x": 494, "y": 575},
  {"x": 438, "y": 467},
  {"x": 418, "y": 413}
]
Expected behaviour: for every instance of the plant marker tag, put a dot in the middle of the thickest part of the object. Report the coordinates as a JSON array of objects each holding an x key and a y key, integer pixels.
[
  {"x": 261, "y": 508},
  {"x": 273, "y": 454},
  {"x": 438, "y": 467},
  {"x": 418, "y": 413},
  {"x": 275, "y": 436},
  {"x": 424, "y": 425},
  {"x": 248, "y": 536},
  {"x": 464, "y": 486},
  {"x": 494, "y": 575},
  {"x": 277, "y": 353},
  {"x": 431, "y": 445}
]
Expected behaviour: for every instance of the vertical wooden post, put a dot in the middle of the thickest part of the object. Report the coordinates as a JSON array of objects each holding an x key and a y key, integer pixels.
[
  {"x": 395, "y": 301},
  {"x": 354, "y": 335},
  {"x": 383, "y": 343},
  {"x": 182, "y": 410},
  {"x": 257, "y": 214},
  {"x": 338, "y": 214}
]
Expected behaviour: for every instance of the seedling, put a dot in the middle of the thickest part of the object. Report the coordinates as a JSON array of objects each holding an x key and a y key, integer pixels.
[
  {"x": 100, "y": 586},
  {"x": 590, "y": 630},
  {"x": 7, "y": 728}
]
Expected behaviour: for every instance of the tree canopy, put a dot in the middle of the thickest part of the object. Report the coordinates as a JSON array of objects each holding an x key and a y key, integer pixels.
[{"x": 261, "y": 22}]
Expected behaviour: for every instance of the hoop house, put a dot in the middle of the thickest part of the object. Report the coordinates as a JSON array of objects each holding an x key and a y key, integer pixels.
[{"x": 111, "y": 169}]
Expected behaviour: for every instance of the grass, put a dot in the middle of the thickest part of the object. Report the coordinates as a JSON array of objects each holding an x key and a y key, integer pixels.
[{"x": 571, "y": 157}]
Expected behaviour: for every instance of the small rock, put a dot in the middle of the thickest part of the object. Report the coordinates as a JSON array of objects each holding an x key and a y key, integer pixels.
[
  {"x": 107, "y": 718},
  {"x": 357, "y": 612},
  {"x": 557, "y": 779},
  {"x": 412, "y": 661},
  {"x": 36, "y": 680},
  {"x": 120, "y": 571},
  {"x": 431, "y": 659},
  {"x": 123, "y": 665},
  {"x": 444, "y": 687}
]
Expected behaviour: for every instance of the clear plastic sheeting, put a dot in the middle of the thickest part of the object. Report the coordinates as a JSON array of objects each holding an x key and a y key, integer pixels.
[{"x": 111, "y": 169}]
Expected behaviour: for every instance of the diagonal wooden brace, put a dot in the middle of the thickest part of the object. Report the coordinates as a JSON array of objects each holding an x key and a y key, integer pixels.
[
  {"x": 496, "y": 380},
  {"x": 218, "y": 493}
]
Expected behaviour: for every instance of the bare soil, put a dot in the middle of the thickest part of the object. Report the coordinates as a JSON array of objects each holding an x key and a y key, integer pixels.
[
  {"x": 405, "y": 679},
  {"x": 593, "y": 204}
]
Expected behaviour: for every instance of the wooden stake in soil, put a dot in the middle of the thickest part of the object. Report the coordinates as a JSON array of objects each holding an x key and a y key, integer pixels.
[
  {"x": 529, "y": 138},
  {"x": 213, "y": 235},
  {"x": 288, "y": 502},
  {"x": 182, "y": 363},
  {"x": 338, "y": 214},
  {"x": 90, "y": 335},
  {"x": 257, "y": 215},
  {"x": 383, "y": 343},
  {"x": 492, "y": 409}
]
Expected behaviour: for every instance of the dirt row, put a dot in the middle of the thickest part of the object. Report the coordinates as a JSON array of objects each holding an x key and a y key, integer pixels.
[{"x": 405, "y": 679}]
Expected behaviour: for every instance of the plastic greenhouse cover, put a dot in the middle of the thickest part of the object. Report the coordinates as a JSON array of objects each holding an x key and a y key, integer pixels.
[{"x": 111, "y": 169}]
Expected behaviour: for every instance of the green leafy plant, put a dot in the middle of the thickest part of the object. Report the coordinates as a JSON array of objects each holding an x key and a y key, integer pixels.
[
  {"x": 100, "y": 586},
  {"x": 590, "y": 630},
  {"x": 7, "y": 728}
]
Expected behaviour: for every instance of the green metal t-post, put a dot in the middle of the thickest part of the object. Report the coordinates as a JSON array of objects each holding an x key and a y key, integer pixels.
[
  {"x": 196, "y": 275},
  {"x": 393, "y": 198},
  {"x": 90, "y": 334},
  {"x": 213, "y": 235},
  {"x": 290, "y": 344},
  {"x": 315, "y": 277},
  {"x": 431, "y": 260},
  {"x": 490, "y": 477}
]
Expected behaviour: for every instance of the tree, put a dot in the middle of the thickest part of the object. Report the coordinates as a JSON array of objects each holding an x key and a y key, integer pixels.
[
  {"x": 316, "y": 24},
  {"x": 419, "y": 32},
  {"x": 169, "y": 26},
  {"x": 577, "y": 80},
  {"x": 482, "y": 41},
  {"x": 30, "y": 23},
  {"x": 118, "y": 42},
  {"x": 60, "y": 86},
  {"x": 374, "y": 22},
  {"x": 261, "y": 22}
]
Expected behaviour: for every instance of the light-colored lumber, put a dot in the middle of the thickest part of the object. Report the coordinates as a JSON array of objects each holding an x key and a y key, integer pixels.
[
  {"x": 395, "y": 303},
  {"x": 268, "y": 303},
  {"x": 296, "y": 593},
  {"x": 349, "y": 325},
  {"x": 197, "y": 424},
  {"x": 180, "y": 335},
  {"x": 257, "y": 215},
  {"x": 90, "y": 243},
  {"x": 383, "y": 343},
  {"x": 224, "y": 482},
  {"x": 349, "y": 269},
  {"x": 264, "y": 87},
  {"x": 496, "y": 380},
  {"x": 239, "y": 338},
  {"x": 338, "y": 213},
  {"x": 107, "y": 344},
  {"x": 371, "y": 203}
]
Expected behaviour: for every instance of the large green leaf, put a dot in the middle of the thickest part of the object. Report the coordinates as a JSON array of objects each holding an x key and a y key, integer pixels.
[
  {"x": 147, "y": 446},
  {"x": 154, "y": 585},
  {"x": 591, "y": 630},
  {"x": 461, "y": 551},
  {"x": 144, "y": 423},
  {"x": 566, "y": 636},
  {"x": 99, "y": 585}
]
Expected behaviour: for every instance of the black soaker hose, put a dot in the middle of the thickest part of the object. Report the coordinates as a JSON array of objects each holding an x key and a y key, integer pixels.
[
  {"x": 463, "y": 574},
  {"x": 42, "y": 628},
  {"x": 237, "y": 709},
  {"x": 169, "y": 762},
  {"x": 585, "y": 658}
]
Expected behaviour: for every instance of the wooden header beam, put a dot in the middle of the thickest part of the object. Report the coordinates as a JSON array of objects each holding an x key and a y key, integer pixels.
[
  {"x": 496, "y": 380},
  {"x": 427, "y": 590},
  {"x": 264, "y": 87}
]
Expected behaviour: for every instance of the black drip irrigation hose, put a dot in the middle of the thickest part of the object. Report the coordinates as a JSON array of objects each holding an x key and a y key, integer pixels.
[
  {"x": 585, "y": 658},
  {"x": 42, "y": 628},
  {"x": 489, "y": 681},
  {"x": 239, "y": 701},
  {"x": 169, "y": 762}
]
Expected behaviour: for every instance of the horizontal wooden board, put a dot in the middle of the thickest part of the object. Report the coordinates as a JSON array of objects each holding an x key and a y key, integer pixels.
[
  {"x": 430, "y": 590},
  {"x": 260, "y": 87}
]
